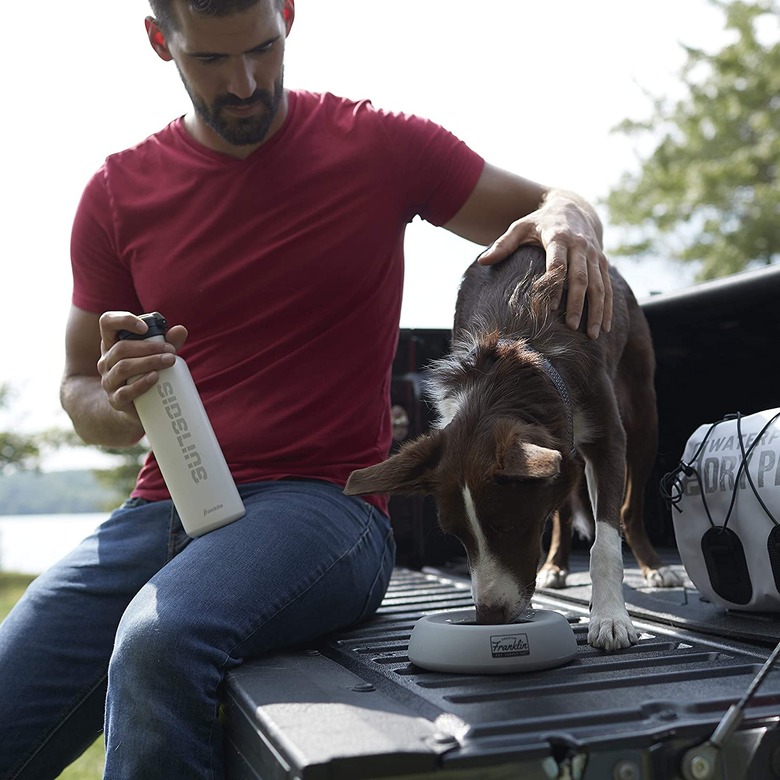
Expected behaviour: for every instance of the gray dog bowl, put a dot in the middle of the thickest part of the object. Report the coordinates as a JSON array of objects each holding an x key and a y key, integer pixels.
[{"x": 454, "y": 642}]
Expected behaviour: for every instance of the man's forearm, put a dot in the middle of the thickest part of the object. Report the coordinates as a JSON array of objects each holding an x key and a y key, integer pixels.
[{"x": 94, "y": 419}]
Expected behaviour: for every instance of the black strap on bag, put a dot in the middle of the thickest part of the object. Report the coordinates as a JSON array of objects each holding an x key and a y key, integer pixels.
[{"x": 726, "y": 564}]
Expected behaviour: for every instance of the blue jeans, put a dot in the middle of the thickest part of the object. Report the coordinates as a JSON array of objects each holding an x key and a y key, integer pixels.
[{"x": 142, "y": 623}]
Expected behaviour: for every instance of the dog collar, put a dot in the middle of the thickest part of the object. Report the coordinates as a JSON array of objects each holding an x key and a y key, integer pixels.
[{"x": 560, "y": 386}]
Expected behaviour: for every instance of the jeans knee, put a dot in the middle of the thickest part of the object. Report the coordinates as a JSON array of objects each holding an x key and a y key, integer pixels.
[{"x": 144, "y": 648}]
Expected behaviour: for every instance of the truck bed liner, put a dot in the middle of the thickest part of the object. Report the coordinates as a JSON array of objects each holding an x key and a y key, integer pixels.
[{"x": 355, "y": 707}]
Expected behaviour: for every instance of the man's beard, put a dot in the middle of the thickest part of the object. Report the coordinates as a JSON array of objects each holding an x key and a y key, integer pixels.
[{"x": 239, "y": 131}]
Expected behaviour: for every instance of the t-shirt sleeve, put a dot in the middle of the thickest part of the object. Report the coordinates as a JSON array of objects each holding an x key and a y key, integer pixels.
[
  {"x": 101, "y": 281},
  {"x": 440, "y": 170}
]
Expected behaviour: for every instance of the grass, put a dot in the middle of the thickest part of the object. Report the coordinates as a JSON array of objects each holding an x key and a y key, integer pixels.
[{"x": 90, "y": 765}]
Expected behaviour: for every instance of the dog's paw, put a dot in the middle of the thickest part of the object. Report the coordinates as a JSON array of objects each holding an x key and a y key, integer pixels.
[
  {"x": 664, "y": 577},
  {"x": 551, "y": 577},
  {"x": 611, "y": 633}
]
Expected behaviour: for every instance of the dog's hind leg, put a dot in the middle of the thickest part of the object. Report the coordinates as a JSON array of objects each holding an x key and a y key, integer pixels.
[
  {"x": 574, "y": 514},
  {"x": 556, "y": 568},
  {"x": 655, "y": 572},
  {"x": 636, "y": 397}
]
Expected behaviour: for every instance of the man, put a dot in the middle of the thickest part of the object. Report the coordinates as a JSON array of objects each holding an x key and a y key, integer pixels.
[{"x": 269, "y": 224}]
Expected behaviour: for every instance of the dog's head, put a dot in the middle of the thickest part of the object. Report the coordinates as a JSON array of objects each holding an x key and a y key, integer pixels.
[{"x": 495, "y": 485}]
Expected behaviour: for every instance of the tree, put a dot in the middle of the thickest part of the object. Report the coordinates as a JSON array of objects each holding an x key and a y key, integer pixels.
[
  {"x": 121, "y": 479},
  {"x": 17, "y": 450},
  {"x": 20, "y": 451},
  {"x": 709, "y": 193}
]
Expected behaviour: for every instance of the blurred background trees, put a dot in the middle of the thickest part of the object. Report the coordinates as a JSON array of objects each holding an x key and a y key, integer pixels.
[
  {"x": 17, "y": 450},
  {"x": 23, "y": 489},
  {"x": 707, "y": 191}
]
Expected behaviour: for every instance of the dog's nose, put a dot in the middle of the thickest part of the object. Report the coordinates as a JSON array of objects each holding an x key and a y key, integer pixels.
[{"x": 491, "y": 615}]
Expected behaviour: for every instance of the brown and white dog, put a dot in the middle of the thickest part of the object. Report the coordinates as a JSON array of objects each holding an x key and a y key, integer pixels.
[{"x": 527, "y": 407}]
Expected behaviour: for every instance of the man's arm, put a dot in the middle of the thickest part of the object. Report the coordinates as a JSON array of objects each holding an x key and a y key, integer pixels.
[
  {"x": 506, "y": 210},
  {"x": 94, "y": 389}
]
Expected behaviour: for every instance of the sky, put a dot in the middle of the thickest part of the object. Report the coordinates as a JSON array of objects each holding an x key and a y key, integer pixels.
[{"x": 535, "y": 87}]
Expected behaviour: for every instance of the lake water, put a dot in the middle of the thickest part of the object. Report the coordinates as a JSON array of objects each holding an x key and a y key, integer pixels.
[{"x": 31, "y": 543}]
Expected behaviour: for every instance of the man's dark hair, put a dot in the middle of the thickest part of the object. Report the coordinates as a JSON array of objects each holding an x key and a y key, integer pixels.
[{"x": 165, "y": 13}]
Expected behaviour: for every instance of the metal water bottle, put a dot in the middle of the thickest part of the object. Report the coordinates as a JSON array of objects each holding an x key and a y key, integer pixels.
[{"x": 184, "y": 443}]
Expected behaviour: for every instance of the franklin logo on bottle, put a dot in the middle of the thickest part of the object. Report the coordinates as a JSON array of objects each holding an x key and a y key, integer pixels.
[{"x": 184, "y": 444}]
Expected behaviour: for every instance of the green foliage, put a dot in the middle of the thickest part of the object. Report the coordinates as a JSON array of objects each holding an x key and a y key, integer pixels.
[
  {"x": 20, "y": 453},
  {"x": 120, "y": 480},
  {"x": 709, "y": 193},
  {"x": 90, "y": 764},
  {"x": 16, "y": 450},
  {"x": 12, "y": 586}
]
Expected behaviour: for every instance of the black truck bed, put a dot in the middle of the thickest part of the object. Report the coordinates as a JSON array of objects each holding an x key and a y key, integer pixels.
[{"x": 353, "y": 706}]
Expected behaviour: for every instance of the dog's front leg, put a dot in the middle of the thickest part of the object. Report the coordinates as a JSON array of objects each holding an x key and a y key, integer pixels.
[{"x": 610, "y": 626}]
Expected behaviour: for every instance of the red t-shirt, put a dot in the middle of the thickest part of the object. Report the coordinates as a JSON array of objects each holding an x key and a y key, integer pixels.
[{"x": 286, "y": 268}]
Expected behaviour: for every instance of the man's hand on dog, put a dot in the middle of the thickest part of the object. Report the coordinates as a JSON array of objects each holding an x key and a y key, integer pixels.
[{"x": 570, "y": 231}]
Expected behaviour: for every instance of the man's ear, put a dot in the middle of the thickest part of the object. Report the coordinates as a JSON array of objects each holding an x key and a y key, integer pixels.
[
  {"x": 157, "y": 39},
  {"x": 410, "y": 471},
  {"x": 288, "y": 11}
]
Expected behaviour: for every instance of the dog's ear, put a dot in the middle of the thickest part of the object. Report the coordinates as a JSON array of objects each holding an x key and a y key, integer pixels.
[
  {"x": 410, "y": 471},
  {"x": 523, "y": 460}
]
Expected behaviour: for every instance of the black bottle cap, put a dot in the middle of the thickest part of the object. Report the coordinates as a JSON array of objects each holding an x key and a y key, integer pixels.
[{"x": 158, "y": 325}]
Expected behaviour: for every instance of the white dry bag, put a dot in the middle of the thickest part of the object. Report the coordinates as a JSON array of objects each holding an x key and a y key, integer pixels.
[{"x": 726, "y": 493}]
